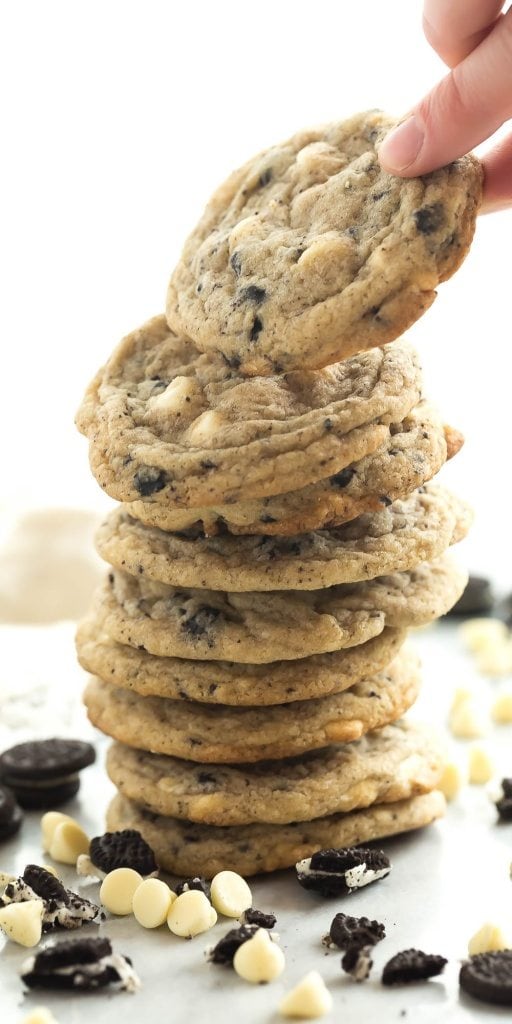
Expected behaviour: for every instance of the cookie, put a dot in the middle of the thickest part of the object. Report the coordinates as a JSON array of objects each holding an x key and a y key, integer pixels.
[
  {"x": 393, "y": 763},
  {"x": 177, "y": 428},
  {"x": 412, "y": 965},
  {"x": 184, "y": 848},
  {"x": 412, "y": 453},
  {"x": 488, "y": 977},
  {"x": 399, "y": 537},
  {"x": 311, "y": 252},
  {"x": 44, "y": 773},
  {"x": 222, "y": 682},
  {"x": 11, "y": 815},
  {"x": 259, "y": 628},
  {"x": 232, "y": 735}
]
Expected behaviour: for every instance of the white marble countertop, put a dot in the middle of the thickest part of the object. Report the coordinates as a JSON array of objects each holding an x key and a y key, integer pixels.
[{"x": 445, "y": 882}]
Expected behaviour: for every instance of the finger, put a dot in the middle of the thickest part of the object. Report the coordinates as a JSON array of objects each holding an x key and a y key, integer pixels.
[
  {"x": 455, "y": 29},
  {"x": 498, "y": 177},
  {"x": 465, "y": 108}
]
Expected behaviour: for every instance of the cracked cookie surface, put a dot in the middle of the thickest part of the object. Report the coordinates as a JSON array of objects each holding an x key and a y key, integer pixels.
[
  {"x": 310, "y": 252},
  {"x": 393, "y": 763},
  {"x": 400, "y": 536},
  {"x": 171, "y": 426},
  {"x": 186, "y": 848},
  {"x": 229, "y": 735}
]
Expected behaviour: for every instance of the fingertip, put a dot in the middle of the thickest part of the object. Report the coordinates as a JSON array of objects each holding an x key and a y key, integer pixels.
[{"x": 399, "y": 151}]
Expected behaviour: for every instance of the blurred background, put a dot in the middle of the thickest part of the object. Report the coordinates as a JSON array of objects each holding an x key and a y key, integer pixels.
[{"x": 118, "y": 120}]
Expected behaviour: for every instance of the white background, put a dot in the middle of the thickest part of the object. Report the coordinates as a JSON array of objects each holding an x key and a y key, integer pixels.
[{"x": 119, "y": 118}]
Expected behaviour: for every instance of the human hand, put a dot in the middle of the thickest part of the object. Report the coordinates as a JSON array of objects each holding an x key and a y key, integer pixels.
[{"x": 474, "y": 39}]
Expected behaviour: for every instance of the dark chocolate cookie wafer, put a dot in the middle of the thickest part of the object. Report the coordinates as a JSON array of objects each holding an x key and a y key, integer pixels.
[
  {"x": 338, "y": 872},
  {"x": 412, "y": 965},
  {"x": 44, "y": 773},
  {"x": 488, "y": 976},
  {"x": 11, "y": 814}
]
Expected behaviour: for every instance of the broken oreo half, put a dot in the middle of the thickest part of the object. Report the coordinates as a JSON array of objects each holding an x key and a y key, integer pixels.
[
  {"x": 62, "y": 907},
  {"x": 79, "y": 964},
  {"x": 346, "y": 931},
  {"x": 337, "y": 872},
  {"x": 125, "y": 849},
  {"x": 412, "y": 965}
]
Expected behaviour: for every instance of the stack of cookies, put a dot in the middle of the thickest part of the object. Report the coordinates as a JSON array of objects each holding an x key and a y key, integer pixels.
[{"x": 278, "y": 531}]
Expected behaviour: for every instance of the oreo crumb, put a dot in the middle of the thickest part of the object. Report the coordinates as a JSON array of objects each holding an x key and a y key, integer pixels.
[
  {"x": 357, "y": 962},
  {"x": 193, "y": 883},
  {"x": 258, "y": 918},
  {"x": 225, "y": 949},
  {"x": 429, "y": 218},
  {"x": 149, "y": 480},
  {"x": 346, "y": 931}
]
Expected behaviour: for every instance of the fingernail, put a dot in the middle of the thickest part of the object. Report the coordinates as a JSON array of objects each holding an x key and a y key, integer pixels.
[{"x": 401, "y": 147}]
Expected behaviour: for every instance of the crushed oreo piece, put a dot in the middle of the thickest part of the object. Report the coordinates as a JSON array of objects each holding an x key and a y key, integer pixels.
[
  {"x": 412, "y": 965},
  {"x": 504, "y": 804},
  {"x": 62, "y": 907},
  {"x": 429, "y": 218},
  {"x": 149, "y": 480},
  {"x": 11, "y": 814},
  {"x": 126, "y": 849},
  {"x": 257, "y": 917},
  {"x": 476, "y": 599},
  {"x": 193, "y": 883},
  {"x": 79, "y": 964},
  {"x": 343, "y": 478},
  {"x": 488, "y": 977},
  {"x": 44, "y": 773},
  {"x": 346, "y": 931},
  {"x": 225, "y": 949},
  {"x": 357, "y": 962},
  {"x": 336, "y": 872}
]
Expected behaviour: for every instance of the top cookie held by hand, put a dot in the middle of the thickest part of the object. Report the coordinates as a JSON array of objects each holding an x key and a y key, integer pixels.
[{"x": 310, "y": 252}]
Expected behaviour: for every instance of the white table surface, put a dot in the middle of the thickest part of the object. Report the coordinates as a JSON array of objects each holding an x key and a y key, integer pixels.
[{"x": 445, "y": 882}]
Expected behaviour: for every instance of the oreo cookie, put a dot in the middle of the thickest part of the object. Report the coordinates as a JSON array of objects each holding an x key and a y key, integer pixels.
[
  {"x": 62, "y": 907},
  {"x": 476, "y": 599},
  {"x": 45, "y": 773},
  {"x": 257, "y": 917},
  {"x": 225, "y": 949},
  {"x": 80, "y": 965},
  {"x": 357, "y": 962},
  {"x": 200, "y": 884},
  {"x": 346, "y": 931},
  {"x": 125, "y": 849},
  {"x": 11, "y": 815},
  {"x": 338, "y": 872},
  {"x": 504, "y": 804},
  {"x": 488, "y": 977},
  {"x": 412, "y": 965}
]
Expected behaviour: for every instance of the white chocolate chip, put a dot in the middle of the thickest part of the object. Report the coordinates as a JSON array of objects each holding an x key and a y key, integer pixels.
[
  {"x": 191, "y": 913},
  {"x": 151, "y": 902},
  {"x": 204, "y": 428},
  {"x": 49, "y": 823},
  {"x": 483, "y": 634},
  {"x": 23, "y": 922},
  {"x": 259, "y": 959},
  {"x": 501, "y": 710},
  {"x": 68, "y": 842},
  {"x": 481, "y": 766},
  {"x": 489, "y": 938},
  {"x": 452, "y": 780},
  {"x": 496, "y": 661},
  {"x": 461, "y": 695},
  {"x": 310, "y": 998},
  {"x": 467, "y": 721},
  {"x": 174, "y": 398},
  {"x": 230, "y": 894},
  {"x": 118, "y": 889},
  {"x": 5, "y": 879},
  {"x": 40, "y": 1015}
]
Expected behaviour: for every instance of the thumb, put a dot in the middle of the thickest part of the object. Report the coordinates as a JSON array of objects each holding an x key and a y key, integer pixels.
[{"x": 465, "y": 108}]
